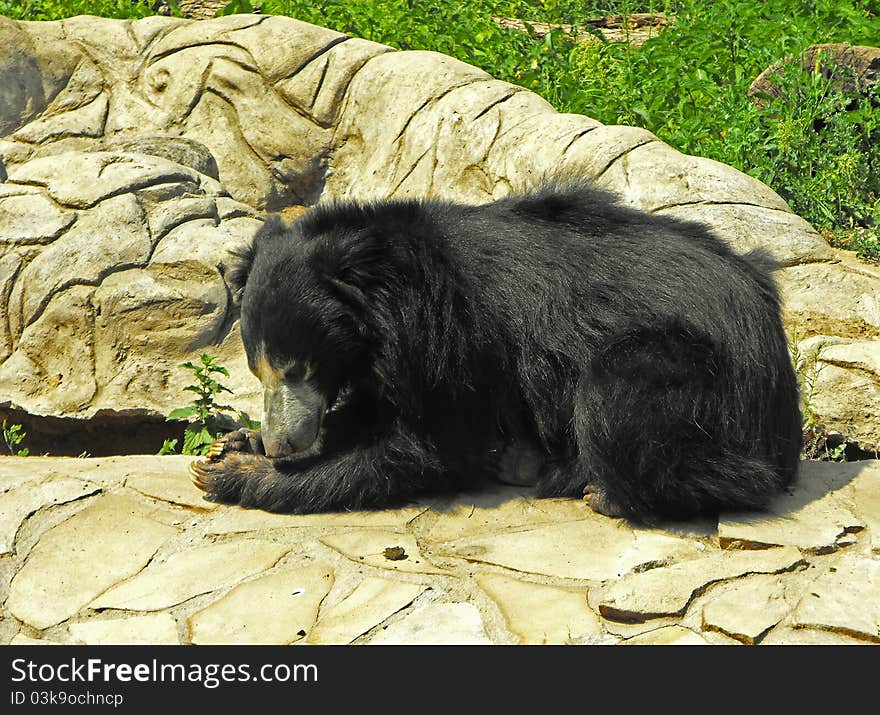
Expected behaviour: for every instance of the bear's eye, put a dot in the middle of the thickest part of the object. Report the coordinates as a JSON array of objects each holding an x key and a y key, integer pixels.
[{"x": 298, "y": 371}]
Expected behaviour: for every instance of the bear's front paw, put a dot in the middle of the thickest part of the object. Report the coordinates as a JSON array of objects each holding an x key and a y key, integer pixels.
[
  {"x": 223, "y": 478},
  {"x": 597, "y": 497},
  {"x": 241, "y": 440}
]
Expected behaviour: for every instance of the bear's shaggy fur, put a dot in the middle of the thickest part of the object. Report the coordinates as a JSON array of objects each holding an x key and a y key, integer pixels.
[{"x": 404, "y": 346}]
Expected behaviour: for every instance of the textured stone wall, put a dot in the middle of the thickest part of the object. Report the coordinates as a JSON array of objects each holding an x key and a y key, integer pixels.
[{"x": 135, "y": 155}]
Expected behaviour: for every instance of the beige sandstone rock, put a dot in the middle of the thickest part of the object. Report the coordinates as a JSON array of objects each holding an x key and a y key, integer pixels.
[
  {"x": 22, "y": 500},
  {"x": 276, "y": 609},
  {"x": 844, "y": 599},
  {"x": 371, "y": 603},
  {"x": 233, "y": 520},
  {"x": 667, "y": 635},
  {"x": 189, "y": 573},
  {"x": 667, "y": 591},
  {"x": 149, "y": 629},
  {"x": 815, "y": 516},
  {"x": 747, "y": 608},
  {"x": 436, "y": 624},
  {"x": 577, "y": 549},
  {"x": 382, "y": 549},
  {"x": 61, "y": 575},
  {"x": 173, "y": 488},
  {"x": 540, "y": 614},
  {"x": 866, "y": 496},
  {"x": 60, "y": 563}
]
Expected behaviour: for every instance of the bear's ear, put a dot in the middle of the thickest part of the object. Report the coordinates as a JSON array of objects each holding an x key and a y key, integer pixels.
[
  {"x": 349, "y": 293},
  {"x": 238, "y": 274},
  {"x": 244, "y": 255}
]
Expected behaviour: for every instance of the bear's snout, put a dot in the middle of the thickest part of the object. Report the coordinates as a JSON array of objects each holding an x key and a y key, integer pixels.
[{"x": 292, "y": 417}]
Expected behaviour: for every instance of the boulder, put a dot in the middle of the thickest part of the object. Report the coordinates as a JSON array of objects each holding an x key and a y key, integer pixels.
[{"x": 136, "y": 156}]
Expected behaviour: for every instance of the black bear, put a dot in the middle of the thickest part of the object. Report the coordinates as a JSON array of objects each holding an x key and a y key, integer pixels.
[{"x": 407, "y": 346}]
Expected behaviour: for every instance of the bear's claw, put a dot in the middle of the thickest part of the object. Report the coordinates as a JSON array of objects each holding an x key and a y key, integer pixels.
[
  {"x": 216, "y": 449},
  {"x": 201, "y": 477},
  {"x": 598, "y": 500}
]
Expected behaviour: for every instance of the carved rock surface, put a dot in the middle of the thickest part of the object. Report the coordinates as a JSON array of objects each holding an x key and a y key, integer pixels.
[{"x": 135, "y": 155}]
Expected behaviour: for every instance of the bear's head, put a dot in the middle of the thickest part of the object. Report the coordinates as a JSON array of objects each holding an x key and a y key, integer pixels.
[{"x": 302, "y": 324}]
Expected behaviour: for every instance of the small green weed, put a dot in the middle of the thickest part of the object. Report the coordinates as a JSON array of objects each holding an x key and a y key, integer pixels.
[
  {"x": 207, "y": 418},
  {"x": 14, "y": 435},
  {"x": 819, "y": 443}
]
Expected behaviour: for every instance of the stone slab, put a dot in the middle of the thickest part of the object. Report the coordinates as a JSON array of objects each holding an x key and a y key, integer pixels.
[
  {"x": 276, "y": 609},
  {"x": 82, "y": 557},
  {"x": 381, "y": 549},
  {"x": 372, "y": 602},
  {"x": 844, "y": 599},
  {"x": 436, "y": 624},
  {"x": 185, "y": 574},
  {"x": 234, "y": 520},
  {"x": 667, "y": 635},
  {"x": 596, "y": 548},
  {"x": 667, "y": 591},
  {"x": 149, "y": 629},
  {"x": 813, "y": 516},
  {"x": 171, "y": 486},
  {"x": 20, "y": 502},
  {"x": 747, "y": 608},
  {"x": 539, "y": 614}
]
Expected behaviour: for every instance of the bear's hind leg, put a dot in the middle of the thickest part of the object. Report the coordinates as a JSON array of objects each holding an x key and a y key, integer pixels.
[
  {"x": 664, "y": 428},
  {"x": 573, "y": 477}
]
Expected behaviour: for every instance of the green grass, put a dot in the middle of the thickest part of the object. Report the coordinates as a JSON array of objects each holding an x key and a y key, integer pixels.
[{"x": 816, "y": 147}]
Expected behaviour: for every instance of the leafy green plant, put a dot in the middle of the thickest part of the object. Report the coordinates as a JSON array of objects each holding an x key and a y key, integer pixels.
[
  {"x": 819, "y": 443},
  {"x": 13, "y": 436},
  {"x": 57, "y": 9},
  {"x": 236, "y": 7},
  {"x": 205, "y": 414},
  {"x": 169, "y": 446}
]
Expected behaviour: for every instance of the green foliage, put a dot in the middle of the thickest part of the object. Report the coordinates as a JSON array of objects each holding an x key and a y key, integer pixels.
[
  {"x": 13, "y": 436},
  {"x": 205, "y": 415},
  {"x": 169, "y": 446},
  {"x": 58, "y": 9},
  {"x": 236, "y": 7},
  {"x": 818, "y": 442}
]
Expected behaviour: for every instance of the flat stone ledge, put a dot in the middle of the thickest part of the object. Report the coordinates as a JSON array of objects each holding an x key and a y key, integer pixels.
[{"x": 121, "y": 550}]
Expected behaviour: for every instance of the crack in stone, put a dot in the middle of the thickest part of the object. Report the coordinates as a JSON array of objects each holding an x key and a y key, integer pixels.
[
  {"x": 189, "y": 218},
  {"x": 709, "y": 202},
  {"x": 231, "y": 105},
  {"x": 409, "y": 172},
  {"x": 634, "y": 617},
  {"x": 871, "y": 375},
  {"x": 67, "y": 285},
  {"x": 431, "y": 100},
  {"x": 315, "y": 55},
  {"x": 344, "y": 100},
  {"x": 492, "y": 105},
  {"x": 319, "y": 84},
  {"x": 577, "y": 136},
  {"x": 204, "y": 87},
  {"x": 741, "y": 637},
  {"x": 513, "y": 126},
  {"x": 624, "y": 153},
  {"x": 153, "y": 59}
]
